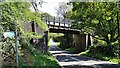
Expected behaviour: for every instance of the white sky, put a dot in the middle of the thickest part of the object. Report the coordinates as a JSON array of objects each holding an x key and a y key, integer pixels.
[{"x": 50, "y": 6}]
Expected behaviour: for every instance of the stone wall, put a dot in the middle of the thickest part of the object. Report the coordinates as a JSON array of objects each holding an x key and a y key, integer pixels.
[
  {"x": 33, "y": 27},
  {"x": 27, "y": 26}
]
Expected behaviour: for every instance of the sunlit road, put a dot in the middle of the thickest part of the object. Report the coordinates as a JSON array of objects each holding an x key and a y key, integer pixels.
[{"x": 67, "y": 60}]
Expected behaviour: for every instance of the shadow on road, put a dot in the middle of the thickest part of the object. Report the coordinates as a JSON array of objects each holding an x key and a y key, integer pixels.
[{"x": 67, "y": 60}]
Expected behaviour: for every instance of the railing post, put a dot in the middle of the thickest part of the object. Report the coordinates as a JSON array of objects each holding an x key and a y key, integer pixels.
[
  {"x": 68, "y": 25},
  {"x": 64, "y": 23},
  {"x": 54, "y": 22},
  {"x": 59, "y": 23},
  {"x": 48, "y": 21}
]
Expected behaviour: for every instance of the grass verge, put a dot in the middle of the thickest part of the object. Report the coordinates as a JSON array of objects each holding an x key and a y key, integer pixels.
[
  {"x": 102, "y": 57},
  {"x": 38, "y": 60},
  {"x": 71, "y": 50}
]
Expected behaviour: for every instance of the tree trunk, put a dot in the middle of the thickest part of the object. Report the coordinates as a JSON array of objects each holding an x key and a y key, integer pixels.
[
  {"x": 112, "y": 36},
  {"x": 107, "y": 39}
]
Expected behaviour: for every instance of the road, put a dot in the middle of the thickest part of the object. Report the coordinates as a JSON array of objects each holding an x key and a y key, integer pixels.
[{"x": 67, "y": 60}]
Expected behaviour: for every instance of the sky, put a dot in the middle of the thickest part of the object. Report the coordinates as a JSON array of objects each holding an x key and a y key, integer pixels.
[{"x": 50, "y": 5}]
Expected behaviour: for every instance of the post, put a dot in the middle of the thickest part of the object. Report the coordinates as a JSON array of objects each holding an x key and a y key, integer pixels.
[
  {"x": 48, "y": 21},
  {"x": 46, "y": 40},
  {"x": 59, "y": 23},
  {"x": 33, "y": 30},
  {"x": 88, "y": 41},
  {"x": 54, "y": 22},
  {"x": 68, "y": 24},
  {"x": 16, "y": 44},
  {"x": 64, "y": 22}
]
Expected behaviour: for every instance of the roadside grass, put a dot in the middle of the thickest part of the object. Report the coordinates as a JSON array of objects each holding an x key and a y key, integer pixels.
[
  {"x": 100, "y": 56},
  {"x": 38, "y": 60},
  {"x": 56, "y": 43},
  {"x": 34, "y": 58},
  {"x": 71, "y": 50},
  {"x": 45, "y": 61},
  {"x": 55, "y": 34}
]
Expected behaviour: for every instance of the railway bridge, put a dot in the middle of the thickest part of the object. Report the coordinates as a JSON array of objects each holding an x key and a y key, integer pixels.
[{"x": 63, "y": 25}]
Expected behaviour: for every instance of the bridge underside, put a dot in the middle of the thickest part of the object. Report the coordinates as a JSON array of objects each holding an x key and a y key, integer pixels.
[{"x": 63, "y": 31}]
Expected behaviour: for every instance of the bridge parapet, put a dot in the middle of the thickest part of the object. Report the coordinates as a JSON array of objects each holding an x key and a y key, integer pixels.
[{"x": 57, "y": 21}]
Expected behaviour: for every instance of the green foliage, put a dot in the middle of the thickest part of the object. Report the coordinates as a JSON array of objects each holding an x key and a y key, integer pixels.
[
  {"x": 31, "y": 35},
  {"x": 45, "y": 15},
  {"x": 35, "y": 17},
  {"x": 37, "y": 59},
  {"x": 7, "y": 48},
  {"x": 54, "y": 35},
  {"x": 56, "y": 43},
  {"x": 101, "y": 56},
  {"x": 107, "y": 52},
  {"x": 42, "y": 60},
  {"x": 32, "y": 57},
  {"x": 97, "y": 18},
  {"x": 18, "y": 12},
  {"x": 71, "y": 50},
  {"x": 100, "y": 42},
  {"x": 66, "y": 41},
  {"x": 14, "y": 14}
]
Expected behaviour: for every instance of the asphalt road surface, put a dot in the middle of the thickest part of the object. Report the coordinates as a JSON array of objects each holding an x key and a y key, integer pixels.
[{"x": 67, "y": 60}]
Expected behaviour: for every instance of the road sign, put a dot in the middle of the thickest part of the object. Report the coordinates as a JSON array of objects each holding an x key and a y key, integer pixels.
[{"x": 10, "y": 34}]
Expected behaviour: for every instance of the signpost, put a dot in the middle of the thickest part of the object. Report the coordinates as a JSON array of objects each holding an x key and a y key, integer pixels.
[
  {"x": 16, "y": 45},
  {"x": 10, "y": 34}
]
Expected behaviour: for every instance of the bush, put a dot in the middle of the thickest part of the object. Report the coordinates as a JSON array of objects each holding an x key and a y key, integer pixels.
[
  {"x": 109, "y": 50},
  {"x": 34, "y": 58},
  {"x": 66, "y": 41},
  {"x": 8, "y": 52},
  {"x": 72, "y": 50}
]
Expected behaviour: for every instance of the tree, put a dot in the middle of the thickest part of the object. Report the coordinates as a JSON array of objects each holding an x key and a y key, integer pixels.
[
  {"x": 45, "y": 15},
  {"x": 98, "y": 18},
  {"x": 62, "y": 9},
  {"x": 16, "y": 12}
]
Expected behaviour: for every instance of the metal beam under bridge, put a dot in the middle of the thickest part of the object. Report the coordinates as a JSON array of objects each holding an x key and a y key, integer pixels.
[{"x": 63, "y": 31}]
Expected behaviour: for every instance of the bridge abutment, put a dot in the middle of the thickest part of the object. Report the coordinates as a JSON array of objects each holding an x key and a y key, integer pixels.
[{"x": 82, "y": 42}]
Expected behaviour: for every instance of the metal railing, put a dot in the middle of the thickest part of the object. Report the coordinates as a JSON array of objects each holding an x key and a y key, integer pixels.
[{"x": 57, "y": 22}]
